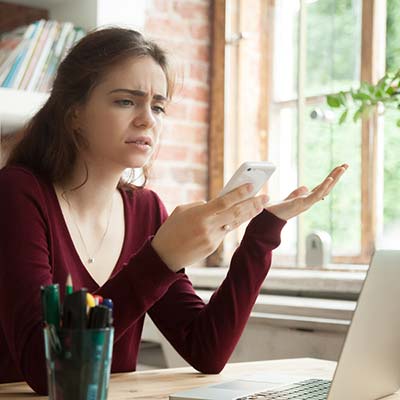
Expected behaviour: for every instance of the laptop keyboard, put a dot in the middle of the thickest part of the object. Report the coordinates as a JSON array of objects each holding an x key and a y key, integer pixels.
[{"x": 311, "y": 389}]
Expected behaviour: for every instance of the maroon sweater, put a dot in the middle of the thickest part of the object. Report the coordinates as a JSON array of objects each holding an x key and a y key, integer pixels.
[{"x": 36, "y": 249}]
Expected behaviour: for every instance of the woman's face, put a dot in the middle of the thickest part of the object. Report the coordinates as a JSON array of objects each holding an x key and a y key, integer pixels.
[{"x": 122, "y": 118}]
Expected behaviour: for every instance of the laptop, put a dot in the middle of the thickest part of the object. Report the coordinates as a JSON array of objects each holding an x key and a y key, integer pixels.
[{"x": 369, "y": 364}]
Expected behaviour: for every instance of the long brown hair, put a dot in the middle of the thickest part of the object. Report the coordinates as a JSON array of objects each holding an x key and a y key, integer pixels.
[{"x": 49, "y": 147}]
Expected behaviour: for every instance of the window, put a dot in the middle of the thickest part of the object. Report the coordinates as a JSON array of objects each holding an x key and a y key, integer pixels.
[{"x": 282, "y": 57}]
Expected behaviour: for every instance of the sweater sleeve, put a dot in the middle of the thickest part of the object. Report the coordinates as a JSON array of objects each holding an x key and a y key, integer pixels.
[
  {"x": 205, "y": 335},
  {"x": 26, "y": 265}
]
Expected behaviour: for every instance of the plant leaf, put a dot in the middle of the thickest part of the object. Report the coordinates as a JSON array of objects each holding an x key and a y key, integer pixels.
[
  {"x": 398, "y": 123},
  {"x": 333, "y": 101},
  {"x": 357, "y": 115},
  {"x": 361, "y": 96},
  {"x": 343, "y": 117}
]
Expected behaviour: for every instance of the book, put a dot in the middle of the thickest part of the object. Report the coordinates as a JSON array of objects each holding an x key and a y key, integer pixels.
[
  {"x": 54, "y": 57},
  {"x": 52, "y": 28},
  {"x": 35, "y": 48},
  {"x": 30, "y": 33}
]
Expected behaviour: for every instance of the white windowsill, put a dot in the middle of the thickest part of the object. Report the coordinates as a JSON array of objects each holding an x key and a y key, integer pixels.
[{"x": 346, "y": 284}]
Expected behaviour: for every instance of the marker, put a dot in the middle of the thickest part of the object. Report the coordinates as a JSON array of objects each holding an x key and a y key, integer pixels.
[
  {"x": 50, "y": 296},
  {"x": 109, "y": 303},
  {"x": 99, "y": 317},
  {"x": 98, "y": 299},
  {"x": 74, "y": 315},
  {"x": 90, "y": 301},
  {"x": 68, "y": 287}
]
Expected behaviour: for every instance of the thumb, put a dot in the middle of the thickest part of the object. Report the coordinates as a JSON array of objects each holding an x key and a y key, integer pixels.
[
  {"x": 297, "y": 192},
  {"x": 184, "y": 207}
]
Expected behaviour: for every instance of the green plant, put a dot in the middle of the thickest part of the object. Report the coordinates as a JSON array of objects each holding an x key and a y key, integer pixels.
[{"x": 368, "y": 97}]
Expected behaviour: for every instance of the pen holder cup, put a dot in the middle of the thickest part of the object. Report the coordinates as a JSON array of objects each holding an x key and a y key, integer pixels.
[{"x": 78, "y": 363}]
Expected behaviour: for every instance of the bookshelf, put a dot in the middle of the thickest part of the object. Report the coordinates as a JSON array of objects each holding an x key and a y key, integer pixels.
[{"x": 17, "y": 106}]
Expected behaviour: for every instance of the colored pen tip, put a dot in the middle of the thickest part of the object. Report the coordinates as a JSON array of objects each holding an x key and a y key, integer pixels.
[
  {"x": 69, "y": 280},
  {"x": 90, "y": 301}
]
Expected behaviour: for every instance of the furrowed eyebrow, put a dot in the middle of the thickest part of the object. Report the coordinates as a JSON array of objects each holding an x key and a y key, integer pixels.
[{"x": 138, "y": 93}]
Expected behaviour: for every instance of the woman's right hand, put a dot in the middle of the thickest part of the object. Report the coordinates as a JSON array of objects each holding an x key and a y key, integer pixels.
[{"x": 194, "y": 231}]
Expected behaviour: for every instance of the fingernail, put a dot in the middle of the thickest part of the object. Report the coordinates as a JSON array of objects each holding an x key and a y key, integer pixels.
[
  {"x": 250, "y": 187},
  {"x": 265, "y": 199}
]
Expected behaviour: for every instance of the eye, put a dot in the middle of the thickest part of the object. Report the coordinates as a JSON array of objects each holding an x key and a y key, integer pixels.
[
  {"x": 125, "y": 102},
  {"x": 158, "y": 110}
]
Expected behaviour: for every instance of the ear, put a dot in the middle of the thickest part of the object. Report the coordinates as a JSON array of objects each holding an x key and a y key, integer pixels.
[{"x": 75, "y": 117}]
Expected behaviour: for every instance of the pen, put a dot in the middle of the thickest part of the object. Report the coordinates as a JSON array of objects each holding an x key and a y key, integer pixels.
[
  {"x": 109, "y": 303},
  {"x": 74, "y": 312},
  {"x": 50, "y": 296},
  {"x": 68, "y": 287},
  {"x": 98, "y": 299},
  {"x": 99, "y": 317},
  {"x": 90, "y": 300}
]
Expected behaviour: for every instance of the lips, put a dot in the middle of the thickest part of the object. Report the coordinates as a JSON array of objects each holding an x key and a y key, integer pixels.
[{"x": 144, "y": 140}]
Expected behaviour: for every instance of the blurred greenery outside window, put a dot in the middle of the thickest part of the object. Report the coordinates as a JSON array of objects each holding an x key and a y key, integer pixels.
[{"x": 316, "y": 50}]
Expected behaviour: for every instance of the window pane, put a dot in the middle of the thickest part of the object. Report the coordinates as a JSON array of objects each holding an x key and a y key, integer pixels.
[
  {"x": 391, "y": 204},
  {"x": 285, "y": 49},
  {"x": 326, "y": 145},
  {"x": 333, "y": 45},
  {"x": 391, "y": 210},
  {"x": 283, "y": 153},
  {"x": 393, "y": 36}
]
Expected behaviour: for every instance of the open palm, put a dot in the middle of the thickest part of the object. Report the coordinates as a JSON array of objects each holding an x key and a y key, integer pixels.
[{"x": 301, "y": 199}]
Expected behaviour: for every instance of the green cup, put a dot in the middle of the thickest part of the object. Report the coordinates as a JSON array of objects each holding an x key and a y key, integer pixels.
[{"x": 78, "y": 363}]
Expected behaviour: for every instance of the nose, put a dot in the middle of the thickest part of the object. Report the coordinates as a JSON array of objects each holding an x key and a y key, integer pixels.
[{"x": 145, "y": 118}]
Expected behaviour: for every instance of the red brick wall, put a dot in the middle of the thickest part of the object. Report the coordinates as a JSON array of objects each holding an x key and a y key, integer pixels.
[{"x": 183, "y": 27}]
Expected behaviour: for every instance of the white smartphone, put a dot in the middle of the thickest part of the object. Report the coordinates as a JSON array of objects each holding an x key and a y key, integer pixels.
[{"x": 255, "y": 172}]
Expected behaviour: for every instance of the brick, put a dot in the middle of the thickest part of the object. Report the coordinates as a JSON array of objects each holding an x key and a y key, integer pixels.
[
  {"x": 196, "y": 92},
  {"x": 193, "y": 51},
  {"x": 160, "y": 6},
  {"x": 178, "y": 110},
  {"x": 197, "y": 194},
  {"x": 200, "y": 31},
  {"x": 198, "y": 156},
  {"x": 199, "y": 72},
  {"x": 189, "y": 175},
  {"x": 167, "y": 28},
  {"x": 186, "y": 132},
  {"x": 190, "y": 10},
  {"x": 173, "y": 152},
  {"x": 199, "y": 113}
]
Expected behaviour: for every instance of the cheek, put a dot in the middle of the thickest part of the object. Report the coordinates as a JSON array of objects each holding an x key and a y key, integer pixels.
[{"x": 102, "y": 123}]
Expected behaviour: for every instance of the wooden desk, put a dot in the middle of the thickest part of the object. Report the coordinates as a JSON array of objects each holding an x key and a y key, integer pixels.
[{"x": 158, "y": 384}]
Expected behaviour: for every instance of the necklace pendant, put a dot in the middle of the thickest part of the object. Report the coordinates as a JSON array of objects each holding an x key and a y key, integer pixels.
[{"x": 91, "y": 260}]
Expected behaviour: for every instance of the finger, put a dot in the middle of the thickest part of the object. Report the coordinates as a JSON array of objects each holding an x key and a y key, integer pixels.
[
  {"x": 335, "y": 181},
  {"x": 331, "y": 174},
  {"x": 319, "y": 193},
  {"x": 300, "y": 191},
  {"x": 335, "y": 174},
  {"x": 228, "y": 200},
  {"x": 240, "y": 213},
  {"x": 183, "y": 207}
]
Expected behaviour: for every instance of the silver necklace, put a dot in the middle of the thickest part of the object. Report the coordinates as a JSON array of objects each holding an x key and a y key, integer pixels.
[{"x": 91, "y": 258}]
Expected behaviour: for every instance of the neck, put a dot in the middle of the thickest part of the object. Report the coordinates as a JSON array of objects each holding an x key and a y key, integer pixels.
[{"x": 95, "y": 196}]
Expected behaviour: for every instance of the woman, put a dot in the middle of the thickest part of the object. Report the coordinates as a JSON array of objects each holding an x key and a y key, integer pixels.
[{"x": 65, "y": 210}]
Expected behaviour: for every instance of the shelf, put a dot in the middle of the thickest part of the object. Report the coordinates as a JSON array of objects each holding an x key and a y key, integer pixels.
[
  {"x": 18, "y": 106},
  {"x": 90, "y": 14},
  {"x": 36, "y": 3}
]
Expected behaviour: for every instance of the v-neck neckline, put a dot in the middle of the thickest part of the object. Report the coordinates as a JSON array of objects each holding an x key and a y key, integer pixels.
[{"x": 72, "y": 245}]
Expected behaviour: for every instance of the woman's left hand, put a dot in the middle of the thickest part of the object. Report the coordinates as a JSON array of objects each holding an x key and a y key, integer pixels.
[{"x": 302, "y": 199}]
